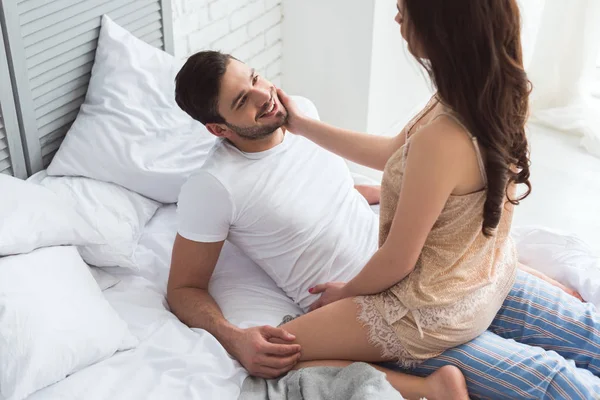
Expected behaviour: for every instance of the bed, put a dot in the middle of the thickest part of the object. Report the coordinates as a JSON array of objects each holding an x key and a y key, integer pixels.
[
  {"x": 61, "y": 80},
  {"x": 172, "y": 361}
]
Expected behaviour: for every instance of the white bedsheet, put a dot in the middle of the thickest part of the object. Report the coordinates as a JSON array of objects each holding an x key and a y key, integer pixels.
[{"x": 172, "y": 361}]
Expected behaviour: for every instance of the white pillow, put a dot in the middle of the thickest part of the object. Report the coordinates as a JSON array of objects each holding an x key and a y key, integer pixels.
[
  {"x": 561, "y": 256},
  {"x": 130, "y": 130},
  {"x": 54, "y": 320},
  {"x": 117, "y": 214},
  {"x": 32, "y": 217}
]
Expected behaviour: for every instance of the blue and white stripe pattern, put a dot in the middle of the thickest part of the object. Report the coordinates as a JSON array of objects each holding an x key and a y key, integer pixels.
[{"x": 543, "y": 344}]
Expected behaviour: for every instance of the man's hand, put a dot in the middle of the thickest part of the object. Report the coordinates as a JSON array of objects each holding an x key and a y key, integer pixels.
[
  {"x": 371, "y": 193},
  {"x": 551, "y": 281},
  {"x": 564, "y": 288},
  {"x": 265, "y": 359},
  {"x": 331, "y": 292}
]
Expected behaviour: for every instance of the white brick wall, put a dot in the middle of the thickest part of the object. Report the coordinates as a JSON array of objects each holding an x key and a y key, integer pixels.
[{"x": 248, "y": 29}]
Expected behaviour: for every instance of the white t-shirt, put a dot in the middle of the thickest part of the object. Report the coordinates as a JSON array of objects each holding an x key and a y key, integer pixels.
[{"x": 292, "y": 209}]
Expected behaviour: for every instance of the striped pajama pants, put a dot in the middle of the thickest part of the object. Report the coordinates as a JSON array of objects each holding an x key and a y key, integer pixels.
[{"x": 543, "y": 344}]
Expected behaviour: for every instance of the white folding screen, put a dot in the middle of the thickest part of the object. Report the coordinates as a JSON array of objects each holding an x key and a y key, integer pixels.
[
  {"x": 50, "y": 53},
  {"x": 11, "y": 150}
]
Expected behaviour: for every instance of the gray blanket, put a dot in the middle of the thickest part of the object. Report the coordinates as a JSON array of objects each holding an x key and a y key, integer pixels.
[{"x": 358, "y": 381}]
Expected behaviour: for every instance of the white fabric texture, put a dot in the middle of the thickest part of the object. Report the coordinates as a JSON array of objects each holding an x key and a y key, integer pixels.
[
  {"x": 117, "y": 214},
  {"x": 32, "y": 217},
  {"x": 565, "y": 39},
  {"x": 103, "y": 279},
  {"x": 173, "y": 361},
  {"x": 129, "y": 130},
  {"x": 561, "y": 256},
  {"x": 53, "y": 320},
  {"x": 292, "y": 209}
]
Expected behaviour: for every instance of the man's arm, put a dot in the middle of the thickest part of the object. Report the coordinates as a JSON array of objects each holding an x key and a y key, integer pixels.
[
  {"x": 192, "y": 265},
  {"x": 552, "y": 281},
  {"x": 371, "y": 193}
]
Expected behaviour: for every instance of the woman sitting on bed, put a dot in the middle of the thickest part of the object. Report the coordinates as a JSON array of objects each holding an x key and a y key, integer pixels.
[{"x": 446, "y": 272}]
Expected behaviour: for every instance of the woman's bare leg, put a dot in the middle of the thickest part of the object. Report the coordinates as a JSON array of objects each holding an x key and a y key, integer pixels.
[{"x": 332, "y": 336}]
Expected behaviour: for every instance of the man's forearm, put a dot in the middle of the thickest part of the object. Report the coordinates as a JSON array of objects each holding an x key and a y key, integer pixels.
[
  {"x": 371, "y": 193},
  {"x": 197, "y": 309},
  {"x": 534, "y": 272}
]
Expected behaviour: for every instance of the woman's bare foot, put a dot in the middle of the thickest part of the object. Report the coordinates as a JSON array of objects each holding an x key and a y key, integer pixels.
[{"x": 447, "y": 383}]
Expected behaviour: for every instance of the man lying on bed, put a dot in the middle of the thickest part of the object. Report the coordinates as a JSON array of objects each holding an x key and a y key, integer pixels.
[{"x": 291, "y": 207}]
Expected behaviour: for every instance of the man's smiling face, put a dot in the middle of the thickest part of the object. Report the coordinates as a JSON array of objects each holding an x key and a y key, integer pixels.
[{"x": 249, "y": 103}]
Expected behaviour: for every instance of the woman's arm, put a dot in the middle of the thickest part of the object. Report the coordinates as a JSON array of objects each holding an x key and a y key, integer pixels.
[
  {"x": 433, "y": 170},
  {"x": 369, "y": 150}
]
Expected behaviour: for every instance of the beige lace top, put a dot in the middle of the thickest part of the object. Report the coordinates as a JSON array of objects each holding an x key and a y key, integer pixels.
[{"x": 461, "y": 277}]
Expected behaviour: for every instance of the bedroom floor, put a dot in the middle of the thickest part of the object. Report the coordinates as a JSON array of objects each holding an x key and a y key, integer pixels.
[{"x": 566, "y": 187}]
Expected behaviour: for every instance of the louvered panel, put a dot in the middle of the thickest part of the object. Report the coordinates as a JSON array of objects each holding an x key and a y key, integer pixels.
[
  {"x": 73, "y": 27},
  {"x": 72, "y": 97},
  {"x": 55, "y": 12},
  {"x": 50, "y": 147},
  {"x": 7, "y": 171},
  {"x": 64, "y": 63},
  {"x": 157, "y": 43},
  {"x": 56, "y": 114},
  {"x": 70, "y": 39},
  {"x": 3, "y": 141},
  {"x": 66, "y": 119},
  {"x": 58, "y": 44},
  {"x": 47, "y": 159},
  {"x": 28, "y": 5},
  {"x": 124, "y": 15},
  {"x": 53, "y": 145},
  {"x": 57, "y": 88},
  {"x": 5, "y": 163},
  {"x": 5, "y": 167},
  {"x": 50, "y": 83},
  {"x": 52, "y": 136},
  {"x": 5, "y": 158},
  {"x": 148, "y": 23},
  {"x": 151, "y": 37},
  {"x": 12, "y": 161},
  {"x": 33, "y": 9},
  {"x": 89, "y": 38}
]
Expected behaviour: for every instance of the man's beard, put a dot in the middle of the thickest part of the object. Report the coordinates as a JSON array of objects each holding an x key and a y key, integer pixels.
[{"x": 259, "y": 132}]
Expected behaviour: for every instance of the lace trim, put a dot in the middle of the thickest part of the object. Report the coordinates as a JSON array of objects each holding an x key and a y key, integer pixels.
[
  {"x": 381, "y": 335},
  {"x": 435, "y": 318}
]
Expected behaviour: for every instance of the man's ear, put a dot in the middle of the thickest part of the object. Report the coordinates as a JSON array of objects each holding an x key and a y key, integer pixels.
[{"x": 219, "y": 130}]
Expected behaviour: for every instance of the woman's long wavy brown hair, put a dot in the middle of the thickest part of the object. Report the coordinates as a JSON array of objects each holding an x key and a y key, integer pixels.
[{"x": 474, "y": 58}]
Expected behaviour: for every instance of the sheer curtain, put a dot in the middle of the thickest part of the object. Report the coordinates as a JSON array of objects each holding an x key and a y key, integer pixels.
[{"x": 562, "y": 42}]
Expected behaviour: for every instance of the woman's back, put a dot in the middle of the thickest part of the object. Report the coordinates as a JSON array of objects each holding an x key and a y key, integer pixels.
[{"x": 462, "y": 276}]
